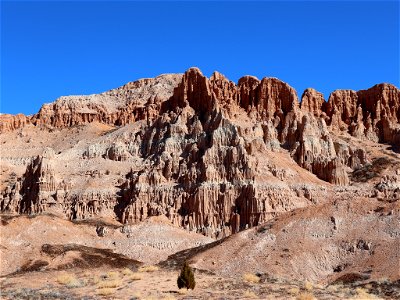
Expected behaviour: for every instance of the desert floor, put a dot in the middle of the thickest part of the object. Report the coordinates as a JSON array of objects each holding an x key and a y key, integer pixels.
[{"x": 152, "y": 282}]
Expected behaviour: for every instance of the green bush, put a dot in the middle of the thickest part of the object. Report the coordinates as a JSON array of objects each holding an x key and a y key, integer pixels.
[{"x": 186, "y": 278}]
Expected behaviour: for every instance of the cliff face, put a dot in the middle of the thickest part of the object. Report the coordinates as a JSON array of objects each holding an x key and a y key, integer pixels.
[
  {"x": 371, "y": 114},
  {"x": 213, "y": 156}
]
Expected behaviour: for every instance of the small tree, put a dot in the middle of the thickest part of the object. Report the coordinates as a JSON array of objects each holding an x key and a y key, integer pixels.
[{"x": 186, "y": 278}]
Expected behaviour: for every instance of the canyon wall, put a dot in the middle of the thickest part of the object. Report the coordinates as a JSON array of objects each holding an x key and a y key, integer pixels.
[{"x": 213, "y": 156}]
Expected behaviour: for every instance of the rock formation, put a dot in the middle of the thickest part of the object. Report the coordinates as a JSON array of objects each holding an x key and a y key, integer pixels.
[
  {"x": 10, "y": 122},
  {"x": 372, "y": 114},
  {"x": 313, "y": 102},
  {"x": 213, "y": 156}
]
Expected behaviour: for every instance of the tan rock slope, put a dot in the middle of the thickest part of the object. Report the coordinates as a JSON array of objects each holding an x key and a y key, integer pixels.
[
  {"x": 47, "y": 242},
  {"x": 338, "y": 241},
  {"x": 212, "y": 156}
]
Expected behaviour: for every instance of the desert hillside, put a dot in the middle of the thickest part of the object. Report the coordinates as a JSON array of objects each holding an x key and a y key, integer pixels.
[
  {"x": 213, "y": 156},
  {"x": 237, "y": 178}
]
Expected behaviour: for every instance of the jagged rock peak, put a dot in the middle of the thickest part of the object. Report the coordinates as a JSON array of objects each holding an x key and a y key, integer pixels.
[
  {"x": 313, "y": 102},
  {"x": 373, "y": 114},
  {"x": 265, "y": 99}
]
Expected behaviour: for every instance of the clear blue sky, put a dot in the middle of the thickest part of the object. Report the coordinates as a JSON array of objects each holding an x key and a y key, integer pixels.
[{"x": 50, "y": 49}]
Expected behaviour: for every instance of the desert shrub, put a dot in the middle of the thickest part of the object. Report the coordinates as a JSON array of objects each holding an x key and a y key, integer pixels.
[
  {"x": 127, "y": 272},
  {"x": 182, "y": 292},
  {"x": 96, "y": 279},
  {"x": 363, "y": 294},
  {"x": 112, "y": 275},
  {"x": 249, "y": 294},
  {"x": 69, "y": 280},
  {"x": 148, "y": 269},
  {"x": 305, "y": 296},
  {"x": 135, "y": 276},
  {"x": 294, "y": 291},
  {"x": 105, "y": 291},
  {"x": 186, "y": 278},
  {"x": 109, "y": 284},
  {"x": 251, "y": 278},
  {"x": 169, "y": 297},
  {"x": 308, "y": 286}
]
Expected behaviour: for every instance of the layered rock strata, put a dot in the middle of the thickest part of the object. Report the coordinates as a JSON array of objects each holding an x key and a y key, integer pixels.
[{"x": 213, "y": 156}]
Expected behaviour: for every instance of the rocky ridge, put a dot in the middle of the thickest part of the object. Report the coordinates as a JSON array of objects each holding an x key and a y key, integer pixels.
[{"x": 213, "y": 156}]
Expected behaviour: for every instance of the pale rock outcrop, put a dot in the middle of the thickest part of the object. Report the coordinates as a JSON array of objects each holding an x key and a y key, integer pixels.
[
  {"x": 39, "y": 184},
  {"x": 118, "y": 151},
  {"x": 139, "y": 100},
  {"x": 389, "y": 188}
]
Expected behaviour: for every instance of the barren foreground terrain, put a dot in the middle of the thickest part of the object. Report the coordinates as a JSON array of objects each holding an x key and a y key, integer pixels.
[{"x": 66, "y": 268}]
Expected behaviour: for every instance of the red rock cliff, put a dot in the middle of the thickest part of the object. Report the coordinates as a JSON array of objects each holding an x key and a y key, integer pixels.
[{"x": 209, "y": 154}]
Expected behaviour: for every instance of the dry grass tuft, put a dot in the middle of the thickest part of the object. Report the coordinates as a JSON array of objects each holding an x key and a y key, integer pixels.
[
  {"x": 305, "y": 296},
  {"x": 135, "y": 276},
  {"x": 109, "y": 284},
  {"x": 383, "y": 280},
  {"x": 148, "y": 269},
  {"x": 96, "y": 279},
  {"x": 363, "y": 294},
  {"x": 334, "y": 288},
  {"x": 249, "y": 294},
  {"x": 251, "y": 278},
  {"x": 294, "y": 291},
  {"x": 368, "y": 286},
  {"x": 69, "y": 280},
  {"x": 105, "y": 291},
  {"x": 183, "y": 291},
  {"x": 87, "y": 274},
  {"x": 169, "y": 297},
  {"x": 308, "y": 286},
  {"x": 112, "y": 275},
  {"x": 126, "y": 272},
  {"x": 137, "y": 295}
]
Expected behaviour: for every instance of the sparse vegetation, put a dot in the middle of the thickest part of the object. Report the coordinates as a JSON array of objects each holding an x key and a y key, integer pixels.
[
  {"x": 112, "y": 275},
  {"x": 69, "y": 280},
  {"x": 96, "y": 279},
  {"x": 363, "y": 294},
  {"x": 305, "y": 296},
  {"x": 148, "y": 269},
  {"x": 182, "y": 291},
  {"x": 169, "y": 297},
  {"x": 127, "y": 272},
  {"x": 294, "y": 291},
  {"x": 251, "y": 278},
  {"x": 109, "y": 284},
  {"x": 186, "y": 278},
  {"x": 334, "y": 288},
  {"x": 105, "y": 291},
  {"x": 371, "y": 170},
  {"x": 249, "y": 294},
  {"x": 162, "y": 288},
  {"x": 308, "y": 286},
  {"x": 135, "y": 276}
]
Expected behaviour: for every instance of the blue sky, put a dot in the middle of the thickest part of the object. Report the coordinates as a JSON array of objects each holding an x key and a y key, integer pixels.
[{"x": 50, "y": 49}]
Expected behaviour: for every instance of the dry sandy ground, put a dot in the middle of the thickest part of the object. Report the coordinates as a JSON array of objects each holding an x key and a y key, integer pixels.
[
  {"x": 153, "y": 283},
  {"x": 75, "y": 263},
  {"x": 53, "y": 242},
  {"x": 358, "y": 238}
]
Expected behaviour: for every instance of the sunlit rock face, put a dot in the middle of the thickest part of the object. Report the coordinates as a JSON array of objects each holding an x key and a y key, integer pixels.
[{"x": 211, "y": 155}]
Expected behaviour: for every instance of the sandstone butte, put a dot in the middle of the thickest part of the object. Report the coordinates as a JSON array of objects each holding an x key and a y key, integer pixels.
[{"x": 213, "y": 156}]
